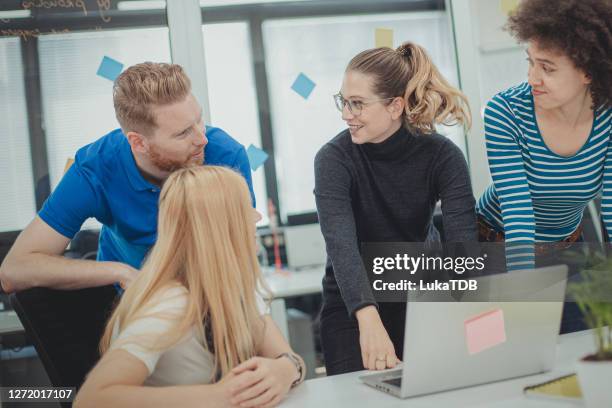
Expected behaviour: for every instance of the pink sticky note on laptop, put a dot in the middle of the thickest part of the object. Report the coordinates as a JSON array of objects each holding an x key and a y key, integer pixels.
[{"x": 484, "y": 331}]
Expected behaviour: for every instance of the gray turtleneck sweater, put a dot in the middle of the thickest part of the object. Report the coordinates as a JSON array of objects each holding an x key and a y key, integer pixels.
[{"x": 386, "y": 192}]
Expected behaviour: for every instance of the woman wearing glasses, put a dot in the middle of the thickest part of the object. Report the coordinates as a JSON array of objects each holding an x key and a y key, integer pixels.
[
  {"x": 549, "y": 139},
  {"x": 379, "y": 181}
]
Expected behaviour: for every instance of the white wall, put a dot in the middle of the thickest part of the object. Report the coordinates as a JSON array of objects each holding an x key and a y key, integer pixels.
[{"x": 489, "y": 61}]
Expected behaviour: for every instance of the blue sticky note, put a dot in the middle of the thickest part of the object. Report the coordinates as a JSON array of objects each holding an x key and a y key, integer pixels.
[
  {"x": 109, "y": 68},
  {"x": 257, "y": 157},
  {"x": 303, "y": 85}
]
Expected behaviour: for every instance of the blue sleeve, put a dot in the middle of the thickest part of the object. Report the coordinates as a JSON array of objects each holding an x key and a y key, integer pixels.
[
  {"x": 510, "y": 180},
  {"x": 242, "y": 164},
  {"x": 606, "y": 199},
  {"x": 72, "y": 202}
]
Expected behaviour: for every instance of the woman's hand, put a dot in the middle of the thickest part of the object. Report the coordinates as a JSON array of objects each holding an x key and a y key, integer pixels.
[
  {"x": 262, "y": 382},
  {"x": 377, "y": 351},
  {"x": 224, "y": 391}
]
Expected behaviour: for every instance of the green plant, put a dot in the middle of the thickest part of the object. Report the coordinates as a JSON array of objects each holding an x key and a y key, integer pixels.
[{"x": 593, "y": 294}]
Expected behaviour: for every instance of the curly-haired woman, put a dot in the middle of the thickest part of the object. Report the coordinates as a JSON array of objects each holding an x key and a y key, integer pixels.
[{"x": 549, "y": 139}]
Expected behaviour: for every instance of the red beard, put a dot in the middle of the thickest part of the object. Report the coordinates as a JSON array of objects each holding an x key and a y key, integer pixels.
[{"x": 170, "y": 165}]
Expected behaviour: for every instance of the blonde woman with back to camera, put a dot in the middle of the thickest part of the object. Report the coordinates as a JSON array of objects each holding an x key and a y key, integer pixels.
[{"x": 190, "y": 331}]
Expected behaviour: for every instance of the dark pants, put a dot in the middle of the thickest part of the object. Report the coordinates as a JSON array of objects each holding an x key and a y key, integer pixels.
[
  {"x": 340, "y": 333},
  {"x": 572, "y": 319}
]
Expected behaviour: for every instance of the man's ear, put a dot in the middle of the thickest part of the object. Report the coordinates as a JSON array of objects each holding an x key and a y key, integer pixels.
[
  {"x": 138, "y": 142},
  {"x": 396, "y": 107}
]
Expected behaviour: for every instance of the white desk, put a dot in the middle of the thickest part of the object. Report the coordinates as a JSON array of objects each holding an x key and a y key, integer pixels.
[
  {"x": 283, "y": 285},
  {"x": 348, "y": 391},
  {"x": 291, "y": 283}
]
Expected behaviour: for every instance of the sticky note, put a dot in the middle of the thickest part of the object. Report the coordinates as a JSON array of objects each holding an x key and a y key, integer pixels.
[
  {"x": 69, "y": 163},
  {"x": 384, "y": 37},
  {"x": 257, "y": 157},
  {"x": 484, "y": 331},
  {"x": 508, "y": 6},
  {"x": 109, "y": 68},
  {"x": 303, "y": 85}
]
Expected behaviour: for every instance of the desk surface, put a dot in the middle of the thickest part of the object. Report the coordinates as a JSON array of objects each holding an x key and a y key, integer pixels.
[
  {"x": 295, "y": 283},
  {"x": 9, "y": 323},
  {"x": 348, "y": 391},
  {"x": 287, "y": 284}
]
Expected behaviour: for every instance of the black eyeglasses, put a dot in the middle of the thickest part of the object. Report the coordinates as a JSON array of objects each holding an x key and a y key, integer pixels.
[{"x": 355, "y": 107}]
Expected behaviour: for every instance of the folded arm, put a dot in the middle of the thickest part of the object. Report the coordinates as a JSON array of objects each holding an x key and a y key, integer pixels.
[{"x": 35, "y": 259}]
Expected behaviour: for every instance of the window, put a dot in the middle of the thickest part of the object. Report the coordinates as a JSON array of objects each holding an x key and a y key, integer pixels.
[
  {"x": 78, "y": 104},
  {"x": 62, "y": 104},
  {"x": 231, "y": 92},
  {"x": 17, "y": 207},
  {"x": 212, "y": 3},
  {"x": 321, "y": 48}
]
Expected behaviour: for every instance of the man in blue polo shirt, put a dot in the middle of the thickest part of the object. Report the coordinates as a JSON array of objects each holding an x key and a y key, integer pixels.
[{"x": 117, "y": 180}]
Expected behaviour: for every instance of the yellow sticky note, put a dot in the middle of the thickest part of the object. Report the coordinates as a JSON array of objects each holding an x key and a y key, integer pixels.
[
  {"x": 508, "y": 6},
  {"x": 384, "y": 37},
  {"x": 68, "y": 164}
]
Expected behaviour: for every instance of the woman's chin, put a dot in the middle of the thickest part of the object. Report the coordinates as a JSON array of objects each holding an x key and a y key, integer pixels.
[{"x": 357, "y": 137}]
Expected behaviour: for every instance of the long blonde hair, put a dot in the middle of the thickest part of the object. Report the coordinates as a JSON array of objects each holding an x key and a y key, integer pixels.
[
  {"x": 206, "y": 243},
  {"x": 408, "y": 72}
]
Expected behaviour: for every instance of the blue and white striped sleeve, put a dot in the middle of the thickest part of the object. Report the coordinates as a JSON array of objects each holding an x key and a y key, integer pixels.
[
  {"x": 510, "y": 180},
  {"x": 606, "y": 199}
]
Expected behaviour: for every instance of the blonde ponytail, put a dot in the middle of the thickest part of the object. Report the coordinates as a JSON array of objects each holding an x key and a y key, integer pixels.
[
  {"x": 429, "y": 97},
  {"x": 408, "y": 72}
]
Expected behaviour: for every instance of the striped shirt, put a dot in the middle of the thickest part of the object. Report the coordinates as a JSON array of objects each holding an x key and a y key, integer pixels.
[{"x": 538, "y": 195}]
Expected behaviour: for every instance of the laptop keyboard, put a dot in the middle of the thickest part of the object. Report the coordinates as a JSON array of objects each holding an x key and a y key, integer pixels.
[{"x": 394, "y": 381}]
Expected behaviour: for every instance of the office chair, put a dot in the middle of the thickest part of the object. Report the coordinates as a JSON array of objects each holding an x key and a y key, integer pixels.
[
  {"x": 65, "y": 327},
  {"x": 84, "y": 245}
]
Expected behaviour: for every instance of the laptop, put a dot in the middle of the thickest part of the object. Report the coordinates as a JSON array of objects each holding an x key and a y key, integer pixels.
[
  {"x": 305, "y": 246},
  {"x": 439, "y": 355}
]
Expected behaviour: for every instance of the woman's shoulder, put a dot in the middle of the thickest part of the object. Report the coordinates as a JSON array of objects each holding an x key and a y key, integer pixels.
[
  {"x": 516, "y": 99},
  {"x": 518, "y": 92},
  {"x": 603, "y": 114},
  {"x": 339, "y": 146},
  {"x": 510, "y": 110},
  {"x": 437, "y": 142},
  {"x": 165, "y": 305},
  {"x": 173, "y": 297}
]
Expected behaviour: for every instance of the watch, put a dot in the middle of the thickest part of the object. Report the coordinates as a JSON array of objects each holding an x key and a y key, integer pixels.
[{"x": 298, "y": 365}]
